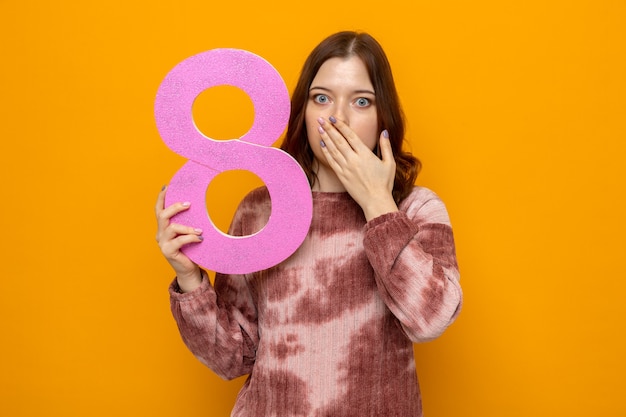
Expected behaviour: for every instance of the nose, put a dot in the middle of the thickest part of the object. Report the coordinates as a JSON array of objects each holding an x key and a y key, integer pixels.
[{"x": 341, "y": 112}]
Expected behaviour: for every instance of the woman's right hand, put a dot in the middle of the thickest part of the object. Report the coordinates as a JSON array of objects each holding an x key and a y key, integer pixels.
[{"x": 171, "y": 237}]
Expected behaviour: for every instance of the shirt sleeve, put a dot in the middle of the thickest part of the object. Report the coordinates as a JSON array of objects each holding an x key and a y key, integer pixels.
[
  {"x": 413, "y": 255},
  {"x": 218, "y": 324}
]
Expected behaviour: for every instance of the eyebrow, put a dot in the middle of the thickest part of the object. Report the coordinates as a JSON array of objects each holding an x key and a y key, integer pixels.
[{"x": 355, "y": 91}]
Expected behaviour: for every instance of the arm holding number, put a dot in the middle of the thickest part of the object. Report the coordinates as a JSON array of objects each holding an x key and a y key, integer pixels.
[{"x": 218, "y": 325}]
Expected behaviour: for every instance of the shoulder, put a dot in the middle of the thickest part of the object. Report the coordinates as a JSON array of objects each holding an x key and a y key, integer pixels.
[
  {"x": 417, "y": 198},
  {"x": 424, "y": 205}
]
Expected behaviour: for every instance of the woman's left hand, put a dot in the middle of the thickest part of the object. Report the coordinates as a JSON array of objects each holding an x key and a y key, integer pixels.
[{"x": 367, "y": 178}]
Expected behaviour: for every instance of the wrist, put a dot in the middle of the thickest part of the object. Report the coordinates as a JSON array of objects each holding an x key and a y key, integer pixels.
[
  {"x": 377, "y": 207},
  {"x": 189, "y": 282}
]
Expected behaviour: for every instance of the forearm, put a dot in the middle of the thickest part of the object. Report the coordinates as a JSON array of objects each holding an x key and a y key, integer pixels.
[
  {"x": 416, "y": 273},
  {"x": 213, "y": 330},
  {"x": 189, "y": 282},
  {"x": 377, "y": 206}
]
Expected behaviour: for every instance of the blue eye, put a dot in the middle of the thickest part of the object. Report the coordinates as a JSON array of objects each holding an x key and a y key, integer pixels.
[
  {"x": 321, "y": 98},
  {"x": 362, "y": 102}
]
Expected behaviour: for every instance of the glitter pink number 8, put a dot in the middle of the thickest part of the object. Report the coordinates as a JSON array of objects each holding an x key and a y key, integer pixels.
[{"x": 286, "y": 182}]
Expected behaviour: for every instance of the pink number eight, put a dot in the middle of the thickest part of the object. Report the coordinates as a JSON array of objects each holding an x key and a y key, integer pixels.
[{"x": 286, "y": 182}]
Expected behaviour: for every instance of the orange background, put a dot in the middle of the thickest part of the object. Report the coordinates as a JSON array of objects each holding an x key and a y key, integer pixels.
[{"x": 515, "y": 108}]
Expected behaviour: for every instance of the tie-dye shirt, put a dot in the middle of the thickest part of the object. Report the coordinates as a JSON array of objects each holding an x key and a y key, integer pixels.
[{"x": 329, "y": 331}]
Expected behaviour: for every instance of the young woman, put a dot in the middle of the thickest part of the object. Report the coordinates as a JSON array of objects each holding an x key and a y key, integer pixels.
[{"x": 329, "y": 331}]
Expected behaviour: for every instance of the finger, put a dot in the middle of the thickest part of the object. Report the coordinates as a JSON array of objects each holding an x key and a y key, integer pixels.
[
  {"x": 331, "y": 156},
  {"x": 330, "y": 149},
  {"x": 384, "y": 144},
  {"x": 172, "y": 248},
  {"x": 175, "y": 229},
  {"x": 164, "y": 216},
  {"x": 160, "y": 203},
  {"x": 333, "y": 135},
  {"x": 352, "y": 139},
  {"x": 386, "y": 151}
]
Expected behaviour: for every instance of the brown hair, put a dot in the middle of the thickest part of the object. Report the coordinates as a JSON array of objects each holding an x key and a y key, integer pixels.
[{"x": 389, "y": 111}]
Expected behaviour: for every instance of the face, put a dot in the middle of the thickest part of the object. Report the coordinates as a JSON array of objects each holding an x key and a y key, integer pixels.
[{"x": 342, "y": 88}]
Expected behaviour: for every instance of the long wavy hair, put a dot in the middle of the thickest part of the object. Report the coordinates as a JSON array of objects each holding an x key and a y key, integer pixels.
[{"x": 390, "y": 116}]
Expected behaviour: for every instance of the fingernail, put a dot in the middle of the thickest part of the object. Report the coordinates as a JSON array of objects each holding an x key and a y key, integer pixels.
[
  {"x": 163, "y": 188},
  {"x": 385, "y": 134},
  {"x": 332, "y": 119},
  {"x": 186, "y": 204},
  {"x": 197, "y": 230},
  {"x": 320, "y": 120},
  {"x": 320, "y": 129},
  {"x": 200, "y": 238},
  {"x": 322, "y": 143}
]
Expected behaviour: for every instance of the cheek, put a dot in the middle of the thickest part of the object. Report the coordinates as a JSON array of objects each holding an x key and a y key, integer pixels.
[
  {"x": 312, "y": 133},
  {"x": 313, "y": 138},
  {"x": 368, "y": 133},
  {"x": 310, "y": 123}
]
